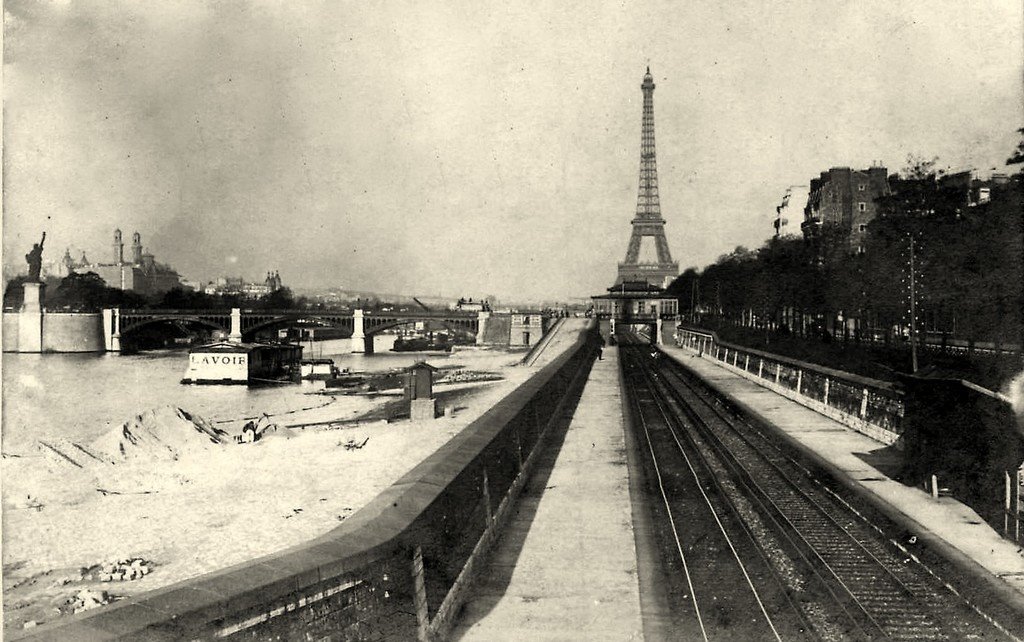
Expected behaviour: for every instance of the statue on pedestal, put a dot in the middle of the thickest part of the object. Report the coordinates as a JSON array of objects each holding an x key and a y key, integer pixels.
[{"x": 35, "y": 259}]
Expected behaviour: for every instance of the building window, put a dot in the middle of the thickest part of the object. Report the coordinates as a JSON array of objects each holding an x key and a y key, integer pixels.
[
  {"x": 861, "y": 187},
  {"x": 860, "y": 249},
  {"x": 526, "y": 320},
  {"x": 863, "y": 207},
  {"x": 863, "y": 227}
]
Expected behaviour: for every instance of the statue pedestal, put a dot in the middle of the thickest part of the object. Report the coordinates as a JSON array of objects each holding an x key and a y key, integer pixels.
[{"x": 30, "y": 319}]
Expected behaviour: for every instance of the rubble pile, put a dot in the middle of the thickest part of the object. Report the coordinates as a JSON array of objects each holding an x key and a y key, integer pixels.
[
  {"x": 468, "y": 376},
  {"x": 120, "y": 571},
  {"x": 87, "y": 599}
]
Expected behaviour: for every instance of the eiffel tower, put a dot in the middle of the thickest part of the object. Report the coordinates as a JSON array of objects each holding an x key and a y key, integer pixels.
[{"x": 648, "y": 222}]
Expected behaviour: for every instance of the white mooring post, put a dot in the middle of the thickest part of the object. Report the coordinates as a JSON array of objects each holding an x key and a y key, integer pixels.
[
  {"x": 799, "y": 380},
  {"x": 864, "y": 404},
  {"x": 825, "y": 399},
  {"x": 935, "y": 487},
  {"x": 760, "y": 367}
]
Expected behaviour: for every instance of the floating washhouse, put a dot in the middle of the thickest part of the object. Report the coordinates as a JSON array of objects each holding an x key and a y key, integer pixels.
[{"x": 228, "y": 362}]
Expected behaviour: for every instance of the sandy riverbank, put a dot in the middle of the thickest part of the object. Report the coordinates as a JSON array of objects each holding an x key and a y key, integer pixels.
[{"x": 199, "y": 509}]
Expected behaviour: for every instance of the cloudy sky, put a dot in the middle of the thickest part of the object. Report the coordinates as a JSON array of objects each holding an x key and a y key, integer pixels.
[{"x": 468, "y": 147}]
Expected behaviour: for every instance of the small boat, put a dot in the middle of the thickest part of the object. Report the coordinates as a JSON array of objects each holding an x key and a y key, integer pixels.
[{"x": 318, "y": 369}]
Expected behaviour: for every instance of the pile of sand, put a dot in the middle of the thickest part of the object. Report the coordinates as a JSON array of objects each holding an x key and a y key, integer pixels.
[{"x": 161, "y": 433}]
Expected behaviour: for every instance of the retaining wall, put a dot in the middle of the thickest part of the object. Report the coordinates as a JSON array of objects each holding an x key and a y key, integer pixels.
[
  {"x": 498, "y": 329},
  {"x": 396, "y": 569},
  {"x": 10, "y": 332},
  {"x": 72, "y": 332},
  {"x": 61, "y": 332}
]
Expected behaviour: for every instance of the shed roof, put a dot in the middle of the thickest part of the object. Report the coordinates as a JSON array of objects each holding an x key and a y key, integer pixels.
[{"x": 421, "y": 365}]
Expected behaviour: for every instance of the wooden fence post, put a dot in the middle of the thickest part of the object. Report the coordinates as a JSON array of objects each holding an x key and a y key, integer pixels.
[
  {"x": 487, "y": 501},
  {"x": 420, "y": 595}
]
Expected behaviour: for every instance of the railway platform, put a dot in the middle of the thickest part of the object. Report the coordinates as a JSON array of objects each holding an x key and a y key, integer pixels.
[
  {"x": 566, "y": 567},
  {"x": 944, "y": 524}
]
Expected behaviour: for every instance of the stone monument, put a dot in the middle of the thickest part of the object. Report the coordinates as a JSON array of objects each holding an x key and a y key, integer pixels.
[{"x": 30, "y": 317}]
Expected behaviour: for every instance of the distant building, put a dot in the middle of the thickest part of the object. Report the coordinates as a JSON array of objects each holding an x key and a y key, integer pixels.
[
  {"x": 969, "y": 190},
  {"x": 948, "y": 195},
  {"x": 239, "y": 286},
  {"x": 469, "y": 305},
  {"x": 846, "y": 199},
  {"x": 527, "y": 328},
  {"x": 140, "y": 274}
]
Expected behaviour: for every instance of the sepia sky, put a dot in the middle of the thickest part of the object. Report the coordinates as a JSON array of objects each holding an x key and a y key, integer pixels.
[{"x": 465, "y": 147}]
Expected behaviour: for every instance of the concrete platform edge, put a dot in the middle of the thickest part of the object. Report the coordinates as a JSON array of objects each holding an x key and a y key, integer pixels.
[
  {"x": 647, "y": 562},
  {"x": 1011, "y": 599}
]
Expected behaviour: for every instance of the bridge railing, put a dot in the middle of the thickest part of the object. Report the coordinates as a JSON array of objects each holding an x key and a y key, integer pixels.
[
  {"x": 870, "y": 406},
  {"x": 396, "y": 569}
]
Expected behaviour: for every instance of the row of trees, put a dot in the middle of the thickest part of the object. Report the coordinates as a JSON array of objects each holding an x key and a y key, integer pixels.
[
  {"x": 87, "y": 292},
  {"x": 968, "y": 275}
]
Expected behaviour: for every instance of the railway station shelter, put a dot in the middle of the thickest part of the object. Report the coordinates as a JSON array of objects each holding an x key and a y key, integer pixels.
[{"x": 636, "y": 303}]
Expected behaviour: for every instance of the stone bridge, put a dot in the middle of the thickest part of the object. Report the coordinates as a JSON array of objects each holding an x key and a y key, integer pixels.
[{"x": 243, "y": 324}]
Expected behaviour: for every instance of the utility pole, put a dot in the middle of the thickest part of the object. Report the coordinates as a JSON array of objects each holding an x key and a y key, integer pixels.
[
  {"x": 693, "y": 300},
  {"x": 913, "y": 309}
]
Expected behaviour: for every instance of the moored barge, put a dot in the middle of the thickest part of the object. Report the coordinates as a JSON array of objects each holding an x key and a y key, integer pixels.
[{"x": 228, "y": 362}]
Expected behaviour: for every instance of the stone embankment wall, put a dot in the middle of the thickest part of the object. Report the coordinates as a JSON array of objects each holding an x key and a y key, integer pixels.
[
  {"x": 10, "y": 329},
  {"x": 498, "y": 329},
  {"x": 61, "y": 332},
  {"x": 397, "y": 569}
]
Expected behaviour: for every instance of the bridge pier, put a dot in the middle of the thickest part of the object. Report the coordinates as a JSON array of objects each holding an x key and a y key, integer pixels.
[
  {"x": 112, "y": 329},
  {"x": 358, "y": 340},
  {"x": 481, "y": 318},
  {"x": 235, "y": 336}
]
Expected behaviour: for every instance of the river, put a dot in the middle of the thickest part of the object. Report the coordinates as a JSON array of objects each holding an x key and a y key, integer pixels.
[{"x": 82, "y": 396}]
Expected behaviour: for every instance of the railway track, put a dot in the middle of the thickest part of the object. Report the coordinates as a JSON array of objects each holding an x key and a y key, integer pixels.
[{"x": 840, "y": 578}]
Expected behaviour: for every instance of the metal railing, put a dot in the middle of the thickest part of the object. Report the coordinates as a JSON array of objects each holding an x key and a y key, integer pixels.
[{"x": 870, "y": 406}]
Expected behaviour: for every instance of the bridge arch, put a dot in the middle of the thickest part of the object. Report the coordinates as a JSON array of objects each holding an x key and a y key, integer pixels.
[
  {"x": 133, "y": 326},
  {"x": 319, "y": 320},
  {"x": 469, "y": 326}
]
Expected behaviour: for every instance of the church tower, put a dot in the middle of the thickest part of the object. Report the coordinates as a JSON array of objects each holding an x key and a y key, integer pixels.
[
  {"x": 647, "y": 257},
  {"x": 118, "y": 248},
  {"x": 136, "y": 248}
]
